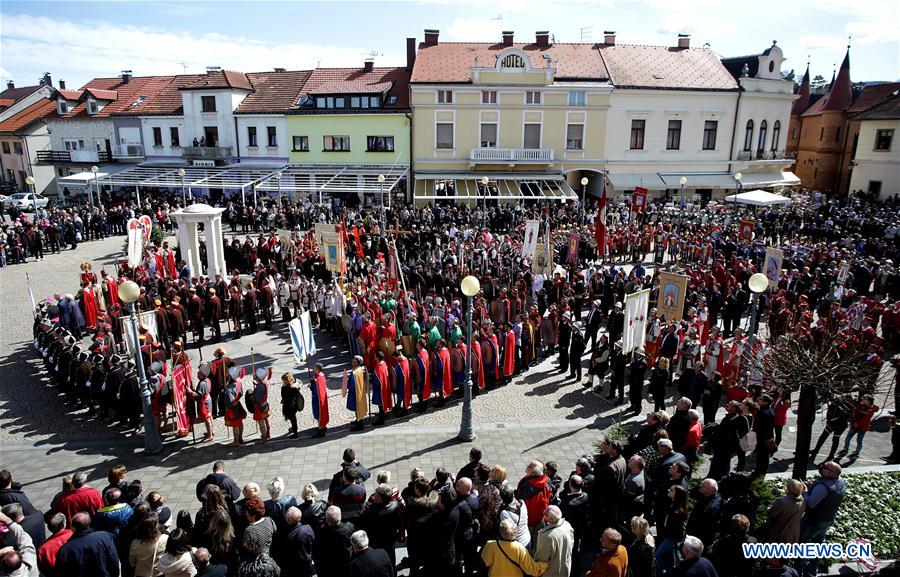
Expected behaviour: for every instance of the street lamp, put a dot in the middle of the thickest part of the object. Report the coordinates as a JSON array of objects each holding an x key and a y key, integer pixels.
[
  {"x": 683, "y": 182},
  {"x": 758, "y": 284},
  {"x": 470, "y": 287},
  {"x": 29, "y": 180},
  {"x": 381, "y": 180},
  {"x": 129, "y": 292},
  {"x": 277, "y": 177},
  {"x": 737, "y": 180},
  {"x": 95, "y": 169},
  {"x": 584, "y": 183},
  {"x": 183, "y": 195}
]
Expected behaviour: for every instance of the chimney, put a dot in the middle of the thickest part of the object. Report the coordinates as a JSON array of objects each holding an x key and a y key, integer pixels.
[
  {"x": 46, "y": 80},
  {"x": 507, "y": 37},
  {"x": 126, "y": 76},
  {"x": 684, "y": 40},
  {"x": 62, "y": 84},
  {"x": 280, "y": 69},
  {"x": 542, "y": 38},
  {"x": 609, "y": 37},
  {"x": 431, "y": 36},
  {"x": 10, "y": 85},
  {"x": 410, "y": 54},
  {"x": 369, "y": 64}
]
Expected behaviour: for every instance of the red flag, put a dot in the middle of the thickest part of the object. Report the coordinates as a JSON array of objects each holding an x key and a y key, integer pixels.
[
  {"x": 344, "y": 236},
  {"x": 600, "y": 223},
  {"x": 638, "y": 199},
  {"x": 359, "y": 248}
]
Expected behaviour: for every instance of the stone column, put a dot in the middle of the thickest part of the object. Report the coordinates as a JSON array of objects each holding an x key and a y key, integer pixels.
[
  {"x": 220, "y": 243},
  {"x": 197, "y": 265}
]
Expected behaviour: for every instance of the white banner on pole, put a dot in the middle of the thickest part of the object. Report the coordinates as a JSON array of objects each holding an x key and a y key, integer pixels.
[
  {"x": 302, "y": 340},
  {"x": 146, "y": 320},
  {"x": 532, "y": 228},
  {"x": 773, "y": 264},
  {"x": 636, "y": 305},
  {"x": 135, "y": 242}
]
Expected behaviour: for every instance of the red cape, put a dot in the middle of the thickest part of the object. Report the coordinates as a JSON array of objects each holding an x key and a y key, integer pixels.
[
  {"x": 509, "y": 354},
  {"x": 446, "y": 378}
]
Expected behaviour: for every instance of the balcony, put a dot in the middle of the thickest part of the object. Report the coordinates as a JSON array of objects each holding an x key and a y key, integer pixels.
[
  {"x": 128, "y": 151},
  {"x": 748, "y": 155},
  {"x": 72, "y": 156},
  {"x": 511, "y": 155},
  {"x": 206, "y": 152}
]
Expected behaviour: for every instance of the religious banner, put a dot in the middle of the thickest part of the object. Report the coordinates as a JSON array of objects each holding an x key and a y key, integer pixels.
[
  {"x": 572, "y": 250},
  {"x": 323, "y": 229},
  {"x": 772, "y": 268},
  {"x": 636, "y": 306},
  {"x": 532, "y": 229},
  {"x": 543, "y": 260},
  {"x": 181, "y": 378},
  {"x": 672, "y": 289},
  {"x": 148, "y": 227},
  {"x": 332, "y": 248},
  {"x": 302, "y": 340},
  {"x": 639, "y": 199},
  {"x": 745, "y": 229},
  {"x": 135, "y": 242},
  {"x": 146, "y": 321},
  {"x": 843, "y": 272}
]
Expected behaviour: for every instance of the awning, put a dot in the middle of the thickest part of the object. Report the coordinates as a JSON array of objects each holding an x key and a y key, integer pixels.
[
  {"x": 629, "y": 181},
  {"x": 316, "y": 179},
  {"x": 700, "y": 180},
  {"x": 769, "y": 179},
  {"x": 500, "y": 186},
  {"x": 87, "y": 177},
  {"x": 757, "y": 198}
]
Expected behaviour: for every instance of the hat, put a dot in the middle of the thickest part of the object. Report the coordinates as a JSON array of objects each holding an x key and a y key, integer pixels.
[
  {"x": 639, "y": 351},
  {"x": 567, "y": 315},
  {"x": 261, "y": 373},
  {"x": 234, "y": 372},
  {"x": 597, "y": 302},
  {"x": 212, "y": 291},
  {"x": 618, "y": 344},
  {"x": 157, "y": 302},
  {"x": 205, "y": 369},
  {"x": 156, "y": 367}
]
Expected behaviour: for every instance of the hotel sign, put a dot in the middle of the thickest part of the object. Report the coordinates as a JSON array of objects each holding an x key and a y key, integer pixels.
[{"x": 512, "y": 61}]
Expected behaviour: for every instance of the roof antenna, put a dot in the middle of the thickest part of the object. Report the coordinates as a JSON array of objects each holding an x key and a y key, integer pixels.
[
  {"x": 183, "y": 66},
  {"x": 500, "y": 19}
]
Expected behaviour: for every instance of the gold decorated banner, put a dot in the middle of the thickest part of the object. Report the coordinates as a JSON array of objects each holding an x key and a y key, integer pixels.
[{"x": 672, "y": 292}]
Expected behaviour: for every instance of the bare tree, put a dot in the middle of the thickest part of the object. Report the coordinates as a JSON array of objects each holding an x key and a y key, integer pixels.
[{"x": 821, "y": 370}]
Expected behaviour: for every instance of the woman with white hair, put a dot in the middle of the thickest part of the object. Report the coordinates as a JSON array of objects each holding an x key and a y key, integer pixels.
[
  {"x": 640, "y": 552},
  {"x": 506, "y": 557},
  {"x": 278, "y": 503},
  {"x": 312, "y": 508}
]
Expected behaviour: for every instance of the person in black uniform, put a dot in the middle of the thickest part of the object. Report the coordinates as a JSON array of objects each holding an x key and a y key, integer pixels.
[{"x": 576, "y": 350}]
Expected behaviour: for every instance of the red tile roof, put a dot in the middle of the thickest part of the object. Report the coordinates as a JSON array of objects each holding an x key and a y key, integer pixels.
[
  {"x": 275, "y": 92},
  {"x": 873, "y": 95},
  {"x": 25, "y": 117},
  {"x": 840, "y": 96},
  {"x": 392, "y": 81},
  {"x": 167, "y": 101},
  {"x": 102, "y": 94},
  {"x": 153, "y": 90},
  {"x": 889, "y": 109},
  {"x": 71, "y": 94},
  {"x": 221, "y": 79},
  {"x": 6, "y": 103},
  {"x": 662, "y": 67},
  {"x": 126, "y": 94},
  {"x": 449, "y": 62}
]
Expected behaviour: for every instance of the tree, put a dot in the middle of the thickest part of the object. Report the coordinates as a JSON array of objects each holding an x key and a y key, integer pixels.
[
  {"x": 821, "y": 370},
  {"x": 818, "y": 85}
]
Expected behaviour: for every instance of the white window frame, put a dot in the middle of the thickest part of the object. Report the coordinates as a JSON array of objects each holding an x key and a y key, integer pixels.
[
  {"x": 530, "y": 95},
  {"x": 481, "y": 141},
  {"x": 540, "y": 126},
  {"x": 576, "y": 95},
  {"x": 566, "y": 135},
  {"x": 62, "y": 107},
  {"x": 332, "y": 137},
  {"x": 92, "y": 107},
  {"x": 490, "y": 96},
  {"x": 443, "y": 97}
]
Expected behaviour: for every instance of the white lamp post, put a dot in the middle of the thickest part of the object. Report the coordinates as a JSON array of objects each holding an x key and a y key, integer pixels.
[
  {"x": 95, "y": 169},
  {"x": 737, "y": 180},
  {"x": 129, "y": 292},
  {"x": 381, "y": 180},
  {"x": 683, "y": 182},
  {"x": 277, "y": 177},
  {"x": 470, "y": 287},
  {"x": 183, "y": 195},
  {"x": 758, "y": 283},
  {"x": 29, "y": 180},
  {"x": 584, "y": 183}
]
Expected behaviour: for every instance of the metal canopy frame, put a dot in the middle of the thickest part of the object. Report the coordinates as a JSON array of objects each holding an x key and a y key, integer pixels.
[
  {"x": 348, "y": 179},
  {"x": 511, "y": 187}
]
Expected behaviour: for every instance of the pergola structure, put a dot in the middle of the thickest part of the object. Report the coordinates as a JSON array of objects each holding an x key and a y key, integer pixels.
[
  {"x": 308, "y": 179},
  {"x": 318, "y": 179},
  {"x": 492, "y": 186}
]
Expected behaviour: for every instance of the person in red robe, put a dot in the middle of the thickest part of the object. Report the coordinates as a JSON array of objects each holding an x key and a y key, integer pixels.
[
  {"x": 319, "y": 392},
  {"x": 477, "y": 364},
  {"x": 89, "y": 307},
  {"x": 509, "y": 353},
  {"x": 111, "y": 290},
  {"x": 490, "y": 356},
  {"x": 442, "y": 357},
  {"x": 402, "y": 382},
  {"x": 423, "y": 372},
  {"x": 369, "y": 336},
  {"x": 381, "y": 388}
]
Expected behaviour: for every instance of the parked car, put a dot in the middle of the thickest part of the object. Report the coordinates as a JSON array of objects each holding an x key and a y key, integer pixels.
[{"x": 25, "y": 201}]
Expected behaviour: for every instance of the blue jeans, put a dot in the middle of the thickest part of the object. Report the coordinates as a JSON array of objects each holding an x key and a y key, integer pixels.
[
  {"x": 859, "y": 440},
  {"x": 812, "y": 533},
  {"x": 665, "y": 556}
]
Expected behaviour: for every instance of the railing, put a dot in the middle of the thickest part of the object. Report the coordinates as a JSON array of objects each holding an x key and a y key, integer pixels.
[
  {"x": 512, "y": 154},
  {"x": 206, "y": 152},
  {"x": 63, "y": 156},
  {"x": 128, "y": 151},
  {"x": 766, "y": 155}
]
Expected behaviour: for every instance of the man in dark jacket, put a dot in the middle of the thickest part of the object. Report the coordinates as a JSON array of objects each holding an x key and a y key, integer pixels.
[
  {"x": 350, "y": 496},
  {"x": 574, "y": 504},
  {"x": 32, "y": 524},
  {"x": 218, "y": 478},
  {"x": 11, "y": 492},
  {"x": 293, "y": 545},
  {"x": 707, "y": 509},
  {"x": 467, "y": 530},
  {"x": 349, "y": 460},
  {"x": 610, "y": 480},
  {"x": 88, "y": 553},
  {"x": 382, "y": 519},
  {"x": 367, "y": 562},
  {"x": 440, "y": 526},
  {"x": 764, "y": 425},
  {"x": 679, "y": 423},
  {"x": 694, "y": 565},
  {"x": 576, "y": 351},
  {"x": 332, "y": 549}
]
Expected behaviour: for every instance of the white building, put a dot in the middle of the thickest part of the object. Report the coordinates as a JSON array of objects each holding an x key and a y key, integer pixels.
[
  {"x": 876, "y": 161},
  {"x": 22, "y": 134},
  {"x": 262, "y": 127}
]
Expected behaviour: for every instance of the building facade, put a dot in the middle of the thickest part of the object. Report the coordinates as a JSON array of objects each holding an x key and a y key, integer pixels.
[
  {"x": 22, "y": 134},
  {"x": 876, "y": 160}
]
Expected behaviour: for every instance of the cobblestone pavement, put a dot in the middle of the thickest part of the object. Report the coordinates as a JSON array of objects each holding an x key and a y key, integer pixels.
[{"x": 41, "y": 438}]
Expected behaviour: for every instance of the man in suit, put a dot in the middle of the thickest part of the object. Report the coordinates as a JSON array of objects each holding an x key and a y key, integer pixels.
[
  {"x": 368, "y": 562},
  {"x": 594, "y": 317}
]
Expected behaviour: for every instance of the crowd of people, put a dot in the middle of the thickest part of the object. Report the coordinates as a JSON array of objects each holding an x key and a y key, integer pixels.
[{"x": 482, "y": 521}]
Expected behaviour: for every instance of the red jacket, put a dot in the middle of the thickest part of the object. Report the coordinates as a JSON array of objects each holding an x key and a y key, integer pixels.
[
  {"x": 862, "y": 418},
  {"x": 535, "y": 492},
  {"x": 81, "y": 499},
  {"x": 46, "y": 554},
  {"x": 694, "y": 434}
]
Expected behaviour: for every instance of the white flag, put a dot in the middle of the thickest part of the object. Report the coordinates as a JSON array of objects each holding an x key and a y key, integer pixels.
[
  {"x": 146, "y": 320},
  {"x": 302, "y": 340},
  {"x": 532, "y": 227},
  {"x": 636, "y": 305},
  {"x": 135, "y": 242}
]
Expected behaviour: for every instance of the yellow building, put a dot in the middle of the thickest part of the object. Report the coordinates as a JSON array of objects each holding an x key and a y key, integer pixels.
[{"x": 527, "y": 119}]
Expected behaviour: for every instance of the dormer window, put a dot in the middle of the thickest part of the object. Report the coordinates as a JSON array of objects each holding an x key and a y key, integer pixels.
[
  {"x": 62, "y": 107},
  {"x": 91, "y": 106},
  {"x": 306, "y": 100},
  {"x": 392, "y": 100}
]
